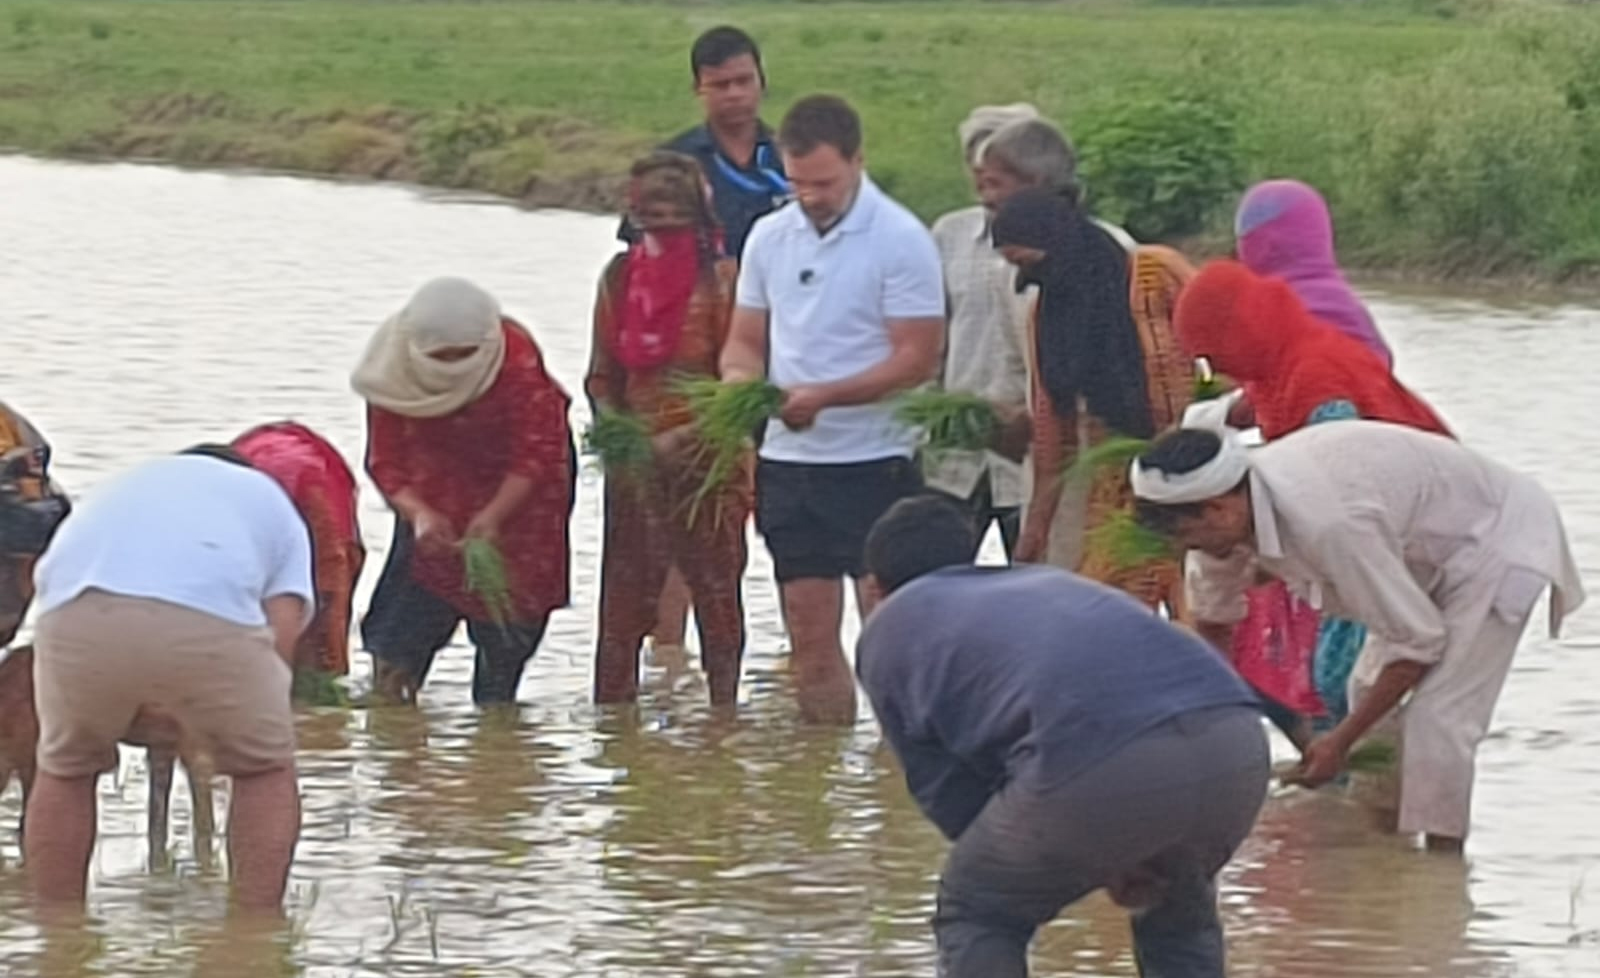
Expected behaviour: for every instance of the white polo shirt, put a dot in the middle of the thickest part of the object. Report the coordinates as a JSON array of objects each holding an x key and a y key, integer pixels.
[
  {"x": 828, "y": 300},
  {"x": 196, "y": 532}
]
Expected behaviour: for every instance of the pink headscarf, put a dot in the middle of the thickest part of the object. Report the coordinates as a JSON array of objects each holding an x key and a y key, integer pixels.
[{"x": 1284, "y": 230}]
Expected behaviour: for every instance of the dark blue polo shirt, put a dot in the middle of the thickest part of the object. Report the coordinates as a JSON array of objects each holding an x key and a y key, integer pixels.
[
  {"x": 740, "y": 195},
  {"x": 982, "y": 676}
]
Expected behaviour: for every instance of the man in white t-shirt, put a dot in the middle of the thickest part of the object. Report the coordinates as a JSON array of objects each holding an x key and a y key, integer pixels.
[
  {"x": 179, "y": 588},
  {"x": 841, "y": 302}
]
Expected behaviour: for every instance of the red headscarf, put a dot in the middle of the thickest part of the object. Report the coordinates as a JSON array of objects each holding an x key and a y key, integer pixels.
[
  {"x": 306, "y": 466},
  {"x": 658, "y": 280},
  {"x": 1256, "y": 330},
  {"x": 663, "y": 267}
]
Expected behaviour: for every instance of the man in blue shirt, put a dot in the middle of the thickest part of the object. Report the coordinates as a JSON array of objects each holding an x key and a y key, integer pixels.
[
  {"x": 1064, "y": 739},
  {"x": 733, "y": 146}
]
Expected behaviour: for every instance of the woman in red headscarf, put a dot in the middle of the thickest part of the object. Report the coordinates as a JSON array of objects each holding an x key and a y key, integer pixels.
[
  {"x": 324, "y": 490},
  {"x": 1296, "y": 370},
  {"x": 1256, "y": 331},
  {"x": 663, "y": 313}
]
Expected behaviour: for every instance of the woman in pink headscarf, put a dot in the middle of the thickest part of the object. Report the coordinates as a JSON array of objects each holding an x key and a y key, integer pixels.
[{"x": 1284, "y": 230}]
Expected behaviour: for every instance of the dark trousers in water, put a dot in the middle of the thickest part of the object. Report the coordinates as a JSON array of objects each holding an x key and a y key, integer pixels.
[
  {"x": 406, "y": 626},
  {"x": 1173, "y": 805}
]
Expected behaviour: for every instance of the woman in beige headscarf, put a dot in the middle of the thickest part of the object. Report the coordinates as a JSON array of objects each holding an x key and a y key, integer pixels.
[{"x": 467, "y": 438}]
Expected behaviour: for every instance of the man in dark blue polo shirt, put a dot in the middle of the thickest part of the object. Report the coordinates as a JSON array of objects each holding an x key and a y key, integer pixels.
[
  {"x": 1064, "y": 739},
  {"x": 733, "y": 146}
]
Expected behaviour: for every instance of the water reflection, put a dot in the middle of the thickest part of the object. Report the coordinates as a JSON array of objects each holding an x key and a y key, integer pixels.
[{"x": 146, "y": 308}]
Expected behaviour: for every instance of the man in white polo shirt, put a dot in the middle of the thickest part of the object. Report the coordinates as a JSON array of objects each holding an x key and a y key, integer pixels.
[
  {"x": 180, "y": 588},
  {"x": 840, "y": 299}
]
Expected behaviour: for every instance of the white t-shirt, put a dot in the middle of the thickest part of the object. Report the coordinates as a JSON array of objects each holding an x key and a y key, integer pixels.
[
  {"x": 197, "y": 532},
  {"x": 828, "y": 299}
]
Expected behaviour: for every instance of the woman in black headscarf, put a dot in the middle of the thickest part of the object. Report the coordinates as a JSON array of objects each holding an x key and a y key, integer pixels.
[{"x": 1106, "y": 363}]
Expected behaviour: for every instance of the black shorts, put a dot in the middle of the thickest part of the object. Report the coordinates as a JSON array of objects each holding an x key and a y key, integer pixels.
[{"x": 816, "y": 518}]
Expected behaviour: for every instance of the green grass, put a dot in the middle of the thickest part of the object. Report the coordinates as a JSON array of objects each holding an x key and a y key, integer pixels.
[{"x": 1446, "y": 134}]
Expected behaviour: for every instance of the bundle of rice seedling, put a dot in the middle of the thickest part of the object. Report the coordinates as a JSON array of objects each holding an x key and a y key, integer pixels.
[
  {"x": 313, "y": 687},
  {"x": 487, "y": 579},
  {"x": 1127, "y": 543},
  {"x": 1373, "y": 757},
  {"x": 949, "y": 420},
  {"x": 1118, "y": 451},
  {"x": 621, "y": 441},
  {"x": 725, "y": 416}
]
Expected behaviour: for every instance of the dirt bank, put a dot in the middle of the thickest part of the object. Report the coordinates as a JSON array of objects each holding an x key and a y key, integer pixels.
[{"x": 537, "y": 160}]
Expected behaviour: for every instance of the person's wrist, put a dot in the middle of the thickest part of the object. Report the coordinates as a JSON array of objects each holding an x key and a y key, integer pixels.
[{"x": 1343, "y": 739}]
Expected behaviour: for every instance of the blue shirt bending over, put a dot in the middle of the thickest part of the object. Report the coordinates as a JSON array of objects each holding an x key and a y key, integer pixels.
[{"x": 984, "y": 676}]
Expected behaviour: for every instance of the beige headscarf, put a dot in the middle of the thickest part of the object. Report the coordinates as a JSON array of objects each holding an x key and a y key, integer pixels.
[
  {"x": 986, "y": 120},
  {"x": 397, "y": 374}
]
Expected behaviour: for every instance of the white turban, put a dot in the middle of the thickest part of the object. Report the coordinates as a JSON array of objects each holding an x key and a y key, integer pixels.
[
  {"x": 986, "y": 120},
  {"x": 397, "y": 373},
  {"x": 1215, "y": 478}
]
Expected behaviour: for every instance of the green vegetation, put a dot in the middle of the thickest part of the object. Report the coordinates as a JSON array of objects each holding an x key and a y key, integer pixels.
[
  {"x": 725, "y": 417},
  {"x": 621, "y": 441},
  {"x": 315, "y": 688},
  {"x": 1449, "y": 136},
  {"x": 949, "y": 420},
  {"x": 1126, "y": 543},
  {"x": 486, "y": 578},
  {"x": 1374, "y": 757},
  {"x": 1160, "y": 167},
  {"x": 1117, "y": 452}
]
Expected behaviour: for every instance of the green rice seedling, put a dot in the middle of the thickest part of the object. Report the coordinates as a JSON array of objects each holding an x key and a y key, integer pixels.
[
  {"x": 1373, "y": 757},
  {"x": 487, "y": 579},
  {"x": 1127, "y": 543},
  {"x": 1118, "y": 451},
  {"x": 313, "y": 687},
  {"x": 621, "y": 441},
  {"x": 949, "y": 420},
  {"x": 725, "y": 416}
]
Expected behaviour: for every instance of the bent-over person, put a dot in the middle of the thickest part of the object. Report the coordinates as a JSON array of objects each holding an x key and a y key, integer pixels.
[
  {"x": 1440, "y": 552},
  {"x": 1064, "y": 739},
  {"x": 181, "y": 588}
]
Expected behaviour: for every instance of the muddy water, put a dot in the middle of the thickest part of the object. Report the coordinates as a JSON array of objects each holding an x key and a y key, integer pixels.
[{"x": 143, "y": 309}]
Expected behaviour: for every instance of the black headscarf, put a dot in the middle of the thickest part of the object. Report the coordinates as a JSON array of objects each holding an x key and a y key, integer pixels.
[{"x": 1087, "y": 341}]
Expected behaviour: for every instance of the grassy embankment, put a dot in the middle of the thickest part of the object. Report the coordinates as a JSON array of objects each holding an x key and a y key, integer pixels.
[{"x": 1451, "y": 138}]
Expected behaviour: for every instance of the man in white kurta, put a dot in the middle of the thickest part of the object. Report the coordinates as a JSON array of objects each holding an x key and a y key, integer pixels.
[{"x": 1439, "y": 551}]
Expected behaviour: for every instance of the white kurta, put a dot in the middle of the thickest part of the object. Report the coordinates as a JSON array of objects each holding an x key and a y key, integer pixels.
[
  {"x": 1439, "y": 551},
  {"x": 985, "y": 350}
]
